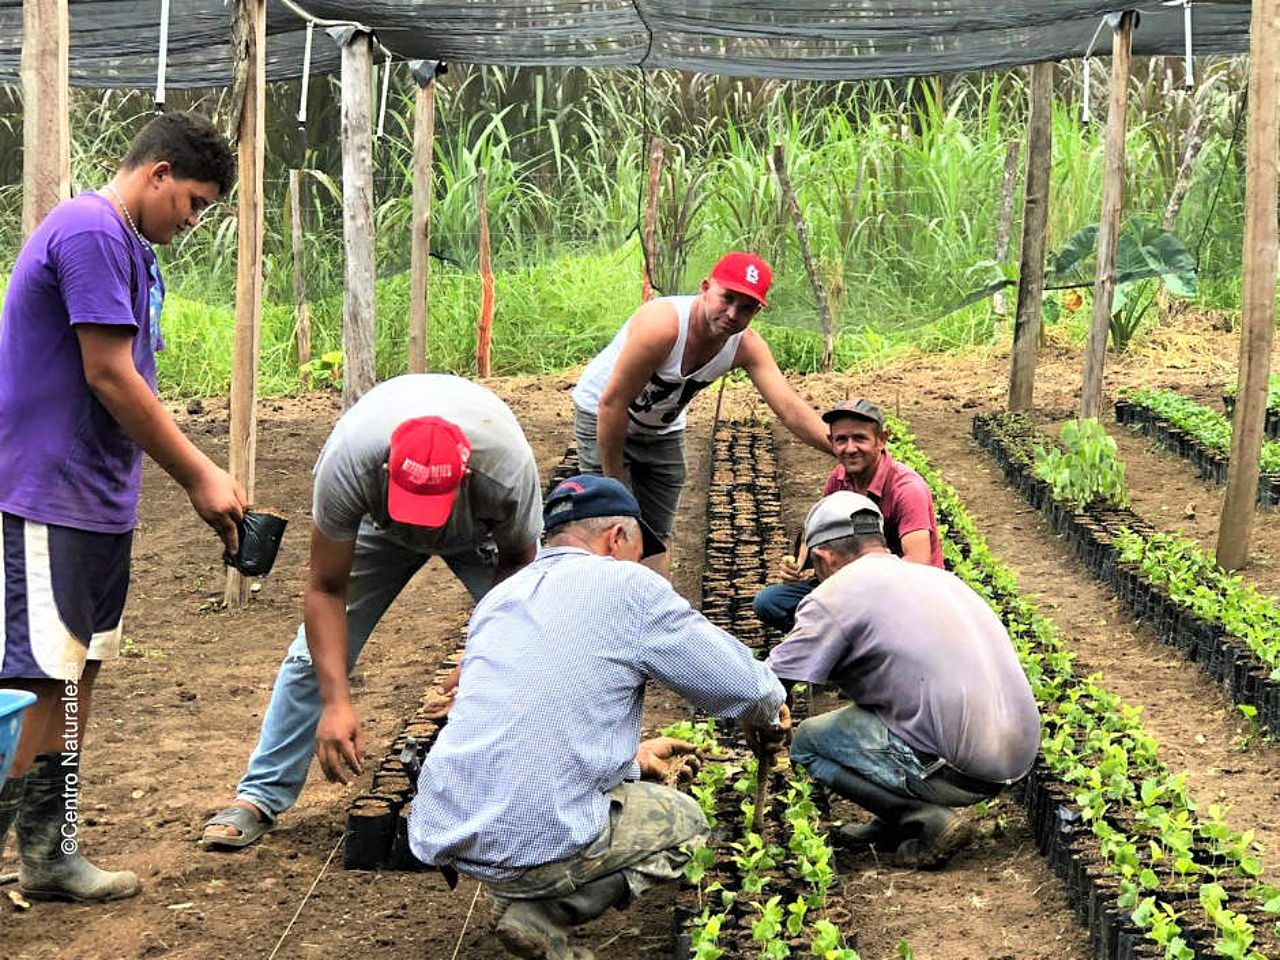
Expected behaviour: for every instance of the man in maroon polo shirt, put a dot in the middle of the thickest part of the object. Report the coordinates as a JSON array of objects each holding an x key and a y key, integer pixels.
[{"x": 863, "y": 466}]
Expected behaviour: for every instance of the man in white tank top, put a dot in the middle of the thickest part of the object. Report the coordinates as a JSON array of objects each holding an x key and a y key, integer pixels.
[{"x": 629, "y": 404}]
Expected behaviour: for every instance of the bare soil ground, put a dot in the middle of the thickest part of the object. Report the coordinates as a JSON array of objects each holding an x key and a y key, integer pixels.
[{"x": 175, "y": 721}]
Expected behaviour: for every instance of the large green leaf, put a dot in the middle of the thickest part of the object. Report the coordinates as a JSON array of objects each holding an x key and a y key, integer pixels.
[{"x": 1144, "y": 250}]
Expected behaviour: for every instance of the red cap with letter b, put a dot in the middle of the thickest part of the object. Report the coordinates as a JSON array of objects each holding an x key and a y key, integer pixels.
[{"x": 744, "y": 273}]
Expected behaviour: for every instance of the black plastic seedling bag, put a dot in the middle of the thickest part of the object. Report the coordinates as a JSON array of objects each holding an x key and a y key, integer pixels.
[{"x": 260, "y": 536}]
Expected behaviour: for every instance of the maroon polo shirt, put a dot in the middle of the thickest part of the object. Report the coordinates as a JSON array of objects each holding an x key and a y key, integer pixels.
[{"x": 903, "y": 498}]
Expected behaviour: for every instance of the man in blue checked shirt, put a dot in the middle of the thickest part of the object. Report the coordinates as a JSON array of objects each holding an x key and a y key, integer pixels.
[{"x": 533, "y": 786}]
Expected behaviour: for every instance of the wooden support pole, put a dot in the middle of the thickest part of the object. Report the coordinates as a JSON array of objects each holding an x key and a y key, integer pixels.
[
  {"x": 249, "y": 30},
  {"x": 657, "y": 147},
  {"x": 46, "y": 140},
  {"x": 358, "y": 313},
  {"x": 1035, "y": 225},
  {"x": 1004, "y": 221},
  {"x": 484, "y": 324},
  {"x": 1258, "y": 306},
  {"x": 802, "y": 234},
  {"x": 1104, "y": 285},
  {"x": 301, "y": 308},
  {"x": 424, "y": 139}
]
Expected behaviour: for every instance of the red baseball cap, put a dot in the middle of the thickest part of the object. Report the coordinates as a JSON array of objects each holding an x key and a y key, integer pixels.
[
  {"x": 744, "y": 273},
  {"x": 427, "y": 463}
]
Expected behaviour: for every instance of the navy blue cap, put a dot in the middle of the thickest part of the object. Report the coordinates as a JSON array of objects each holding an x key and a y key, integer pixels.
[{"x": 585, "y": 496}]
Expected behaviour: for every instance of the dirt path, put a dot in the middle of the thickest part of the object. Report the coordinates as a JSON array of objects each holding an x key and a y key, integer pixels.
[{"x": 1197, "y": 728}]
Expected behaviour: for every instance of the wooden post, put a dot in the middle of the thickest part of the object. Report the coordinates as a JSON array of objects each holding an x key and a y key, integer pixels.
[
  {"x": 249, "y": 29},
  {"x": 484, "y": 324},
  {"x": 357, "y": 216},
  {"x": 1258, "y": 305},
  {"x": 46, "y": 140},
  {"x": 301, "y": 308},
  {"x": 802, "y": 234},
  {"x": 1004, "y": 223},
  {"x": 1104, "y": 285},
  {"x": 424, "y": 139},
  {"x": 1035, "y": 224},
  {"x": 656, "y": 149}
]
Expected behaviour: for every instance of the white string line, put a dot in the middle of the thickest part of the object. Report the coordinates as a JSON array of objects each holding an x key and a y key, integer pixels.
[
  {"x": 466, "y": 922},
  {"x": 315, "y": 883}
]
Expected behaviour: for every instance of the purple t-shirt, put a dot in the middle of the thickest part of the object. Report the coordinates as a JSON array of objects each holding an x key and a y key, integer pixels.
[
  {"x": 63, "y": 458},
  {"x": 916, "y": 647}
]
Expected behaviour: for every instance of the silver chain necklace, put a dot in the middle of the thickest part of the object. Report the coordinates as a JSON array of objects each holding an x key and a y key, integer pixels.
[{"x": 127, "y": 215}]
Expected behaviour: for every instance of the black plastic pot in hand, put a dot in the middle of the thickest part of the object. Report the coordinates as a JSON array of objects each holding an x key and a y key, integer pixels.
[{"x": 260, "y": 533}]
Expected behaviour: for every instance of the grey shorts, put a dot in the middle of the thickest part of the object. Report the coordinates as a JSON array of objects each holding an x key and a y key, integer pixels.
[{"x": 654, "y": 468}]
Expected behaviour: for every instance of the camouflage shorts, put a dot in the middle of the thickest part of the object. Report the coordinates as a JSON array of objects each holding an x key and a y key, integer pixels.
[{"x": 650, "y": 832}]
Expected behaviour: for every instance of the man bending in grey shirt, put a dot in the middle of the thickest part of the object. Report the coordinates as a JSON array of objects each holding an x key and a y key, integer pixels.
[{"x": 422, "y": 466}]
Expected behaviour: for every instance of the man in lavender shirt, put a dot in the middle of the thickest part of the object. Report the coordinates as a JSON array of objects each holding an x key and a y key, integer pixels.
[
  {"x": 78, "y": 338},
  {"x": 942, "y": 714}
]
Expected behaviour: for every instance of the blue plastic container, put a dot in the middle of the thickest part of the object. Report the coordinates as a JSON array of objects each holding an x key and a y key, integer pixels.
[{"x": 13, "y": 703}]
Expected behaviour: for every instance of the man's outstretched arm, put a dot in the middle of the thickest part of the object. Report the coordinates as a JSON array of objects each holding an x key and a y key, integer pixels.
[{"x": 797, "y": 416}]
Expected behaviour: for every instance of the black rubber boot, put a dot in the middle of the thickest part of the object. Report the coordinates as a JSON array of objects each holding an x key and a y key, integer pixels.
[
  {"x": 875, "y": 833},
  {"x": 594, "y": 898},
  {"x": 51, "y": 866},
  {"x": 539, "y": 929},
  {"x": 931, "y": 832},
  {"x": 11, "y": 792}
]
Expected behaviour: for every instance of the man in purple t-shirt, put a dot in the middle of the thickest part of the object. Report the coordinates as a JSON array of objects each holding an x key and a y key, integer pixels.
[
  {"x": 942, "y": 714},
  {"x": 864, "y": 466},
  {"x": 78, "y": 406}
]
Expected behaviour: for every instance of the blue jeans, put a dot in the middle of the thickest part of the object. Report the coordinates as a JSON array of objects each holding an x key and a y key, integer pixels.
[
  {"x": 775, "y": 605},
  {"x": 857, "y": 740},
  {"x": 379, "y": 571}
]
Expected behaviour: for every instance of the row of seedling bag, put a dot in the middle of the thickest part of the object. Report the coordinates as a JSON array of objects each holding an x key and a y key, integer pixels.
[
  {"x": 1196, "y": 433},
  {"x": 756, "y": 893},
  {"x": 1213, "y": 617}
]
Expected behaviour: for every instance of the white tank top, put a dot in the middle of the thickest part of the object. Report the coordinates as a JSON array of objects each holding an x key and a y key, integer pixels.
[{"x": 660, "y": 406}]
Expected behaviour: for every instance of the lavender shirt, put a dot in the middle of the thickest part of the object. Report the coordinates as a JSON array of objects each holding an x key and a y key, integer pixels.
[
  {"x": 63, "y": 458},
  {"x": 916, "y": 647}
]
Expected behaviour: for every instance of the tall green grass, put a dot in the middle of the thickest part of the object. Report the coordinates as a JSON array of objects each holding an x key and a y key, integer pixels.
[{"x": 899, "y": 182}]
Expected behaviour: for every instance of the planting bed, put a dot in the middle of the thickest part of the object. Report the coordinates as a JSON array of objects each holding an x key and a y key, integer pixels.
[
  {"x": 1272, "y": 421},
  {"x": 1195, "y": 433},
  {"x": 1112, "y": 544},
  {"x": 1142, "y": 867},
  {"x": 752, "y": 894}
]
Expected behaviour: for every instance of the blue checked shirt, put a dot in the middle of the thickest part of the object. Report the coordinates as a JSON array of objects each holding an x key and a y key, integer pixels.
[{"x": 547, "y": 716}]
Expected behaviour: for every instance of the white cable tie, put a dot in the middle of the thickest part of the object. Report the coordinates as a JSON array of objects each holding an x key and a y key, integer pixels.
[
  {"x": 1085, "y": 116},
  {"x": 1188, "y": 80},
  {"x": 1086, "y": 112},
  {"x": 163, "y": 56},
  {"x": 306, "y": 74},
  {"x": 386, "y": 85}
]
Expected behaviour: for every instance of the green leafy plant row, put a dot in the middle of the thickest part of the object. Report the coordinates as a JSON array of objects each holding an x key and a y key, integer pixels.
[
  {"x": 1207, "y": 426},
  {"x": 754, "y": 861},
  {"x": 1191, "y": 576},
  {"x": 1162, "y": 853},
  {"x": 1273, "y": 392},
  {"x": 1194, "y": 580}
]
